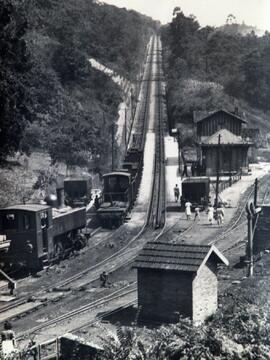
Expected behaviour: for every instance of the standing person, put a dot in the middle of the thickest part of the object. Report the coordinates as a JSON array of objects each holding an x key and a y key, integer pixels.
[
  {"x": 176, "y": 193},
  {"x": 29, "y": 257},
  {"x": 220, "y": 214},
  {"x": 188, "y": 210},
  {"x": 103, "y": 279},
  {"x": 210, "y": 214},
  {"x": 185, "y": 173},
  {"x": 193, "y": 169},
  {"x": 96, "y": 202},
  {"x": 8, "y": 339},
  {"x": 197, "y": 213}
]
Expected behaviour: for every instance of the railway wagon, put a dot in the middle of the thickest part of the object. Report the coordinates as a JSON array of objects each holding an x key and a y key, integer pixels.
[
  {"x": 52, "y": 233},
  {"x": 196, "y": 190},
  {"x": 77, "y": 191},
  {"x": 117, "y": 198}
]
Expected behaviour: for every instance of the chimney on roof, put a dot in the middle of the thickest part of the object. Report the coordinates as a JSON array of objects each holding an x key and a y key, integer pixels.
[
  {"x": 60, "y": 194},
  {"x": 236, "y": 110}
]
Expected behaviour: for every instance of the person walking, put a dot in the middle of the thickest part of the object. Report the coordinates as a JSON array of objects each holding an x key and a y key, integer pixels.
[
  {"x": 210, "y": 212},
  {"x": 197, "y": 214},
  {"x": 185, "y": 173},
  {"x": 176, "y": 193},
  {"x": 8, "y": 341},
  {"x": 220, "y": 214},
  {"x": 188, "y": 210}
]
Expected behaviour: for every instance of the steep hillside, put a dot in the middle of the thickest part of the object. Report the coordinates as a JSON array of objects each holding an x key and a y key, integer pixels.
[
  {"x": 72, "y": 105},
  {"x": 52, "y": 100}
]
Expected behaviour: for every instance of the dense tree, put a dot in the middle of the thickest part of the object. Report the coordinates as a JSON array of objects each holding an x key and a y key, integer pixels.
[
  {"x": 15, "y": 105},
  {"x": 237, "y": 65},
  {"x": 72, "y": 106}
]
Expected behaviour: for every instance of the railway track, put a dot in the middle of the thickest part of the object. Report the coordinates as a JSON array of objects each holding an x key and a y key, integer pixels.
[
  {"x": 120, "y": 258},
  {"x": 239, "y": 217},
  {"x": 157, "y": 212},
  {"x": 127, "y": 254}
]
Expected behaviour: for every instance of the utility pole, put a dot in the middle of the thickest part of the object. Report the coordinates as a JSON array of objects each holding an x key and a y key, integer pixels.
[
  {"x": 176, "y": 132},
  {"x": 179, "y": 151},
  {"x": 112, "y": 130},
  {"x": 218, "y": 170},
  {"x": 125, "y": 127},
  {"x": 255, "y": 192},
  {"x": 252, "y": 216}
]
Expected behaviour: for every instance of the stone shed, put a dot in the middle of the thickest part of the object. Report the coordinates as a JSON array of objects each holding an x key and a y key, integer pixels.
[{"x": 177, "y": 279}]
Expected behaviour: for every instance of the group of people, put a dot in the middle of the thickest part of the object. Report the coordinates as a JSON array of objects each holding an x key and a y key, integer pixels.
[{"x": 213, "y": 213}]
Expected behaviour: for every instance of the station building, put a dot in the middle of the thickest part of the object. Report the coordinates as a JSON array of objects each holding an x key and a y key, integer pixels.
[
  {"x": 232, "y": 148},
  {"x": 177, "y": 280}
]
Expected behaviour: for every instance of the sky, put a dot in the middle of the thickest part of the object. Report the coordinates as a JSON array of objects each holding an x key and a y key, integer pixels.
[{"x": 208, "y": 12}]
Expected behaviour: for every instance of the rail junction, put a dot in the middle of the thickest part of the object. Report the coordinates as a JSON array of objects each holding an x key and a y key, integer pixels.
[{"x": 78, "y": 293}]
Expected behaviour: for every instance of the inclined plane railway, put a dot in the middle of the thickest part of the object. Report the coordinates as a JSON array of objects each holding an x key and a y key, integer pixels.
[{"x": 151, "y": 225}]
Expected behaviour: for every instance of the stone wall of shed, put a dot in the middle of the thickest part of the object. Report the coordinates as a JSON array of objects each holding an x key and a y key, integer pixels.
[
  {"x": 205, "y": 287},
  {"x": 164, "y": 295}
]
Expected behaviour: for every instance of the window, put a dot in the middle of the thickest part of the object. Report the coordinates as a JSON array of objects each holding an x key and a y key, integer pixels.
[
  {"x": 10, "y": 221},
  {"x": 26, "y": 222},
  {"x": 43, "y": 219}
]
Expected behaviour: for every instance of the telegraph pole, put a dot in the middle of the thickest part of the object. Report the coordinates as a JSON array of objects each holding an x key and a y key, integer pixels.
[
  {"x": 218, "y": 170},
  {"x": 112, "y": 146},
  {"x": 255, "y": 192},
  {"x": 125, "y": 127}
]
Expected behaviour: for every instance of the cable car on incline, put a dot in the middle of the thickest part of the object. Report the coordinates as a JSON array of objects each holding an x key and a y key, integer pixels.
[{"x": 117, "y": 198}]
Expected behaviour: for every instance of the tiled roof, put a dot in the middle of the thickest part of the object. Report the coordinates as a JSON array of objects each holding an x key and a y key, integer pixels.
[
  {"x": 179, "y": 257},
  {"x": 227, "y": 138},
  {"x": 201, "y": 115}
]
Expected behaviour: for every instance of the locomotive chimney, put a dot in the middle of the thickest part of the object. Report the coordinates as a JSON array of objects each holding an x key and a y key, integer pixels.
[{"x": 60, "y": 197}]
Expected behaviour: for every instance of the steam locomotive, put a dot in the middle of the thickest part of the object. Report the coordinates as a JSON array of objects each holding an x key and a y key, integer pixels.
[{"x": 51, "y": 232}]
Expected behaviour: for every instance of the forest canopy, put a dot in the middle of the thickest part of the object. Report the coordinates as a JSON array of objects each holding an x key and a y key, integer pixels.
[
  {"x": 51, "y": 97},
  {"x": 214, "y": 59}
]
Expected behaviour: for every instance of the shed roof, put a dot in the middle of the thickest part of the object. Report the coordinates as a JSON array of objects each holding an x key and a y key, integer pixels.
[
  {"x": 202, "y": 115},
  {"x": 227, "y": 138},
  {"x": 27, "y": 207},
  {"x": 178, "y": 257},
  {"x": 117, "y": 173}
]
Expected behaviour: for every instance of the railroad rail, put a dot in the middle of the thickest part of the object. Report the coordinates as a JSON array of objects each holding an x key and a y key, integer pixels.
[
  {"x": 157, "y": 213},
  {"x": 120, "y": 258}
]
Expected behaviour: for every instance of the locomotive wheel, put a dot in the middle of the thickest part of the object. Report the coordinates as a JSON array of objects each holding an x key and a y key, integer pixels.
[{"x": 80, "y": 242}]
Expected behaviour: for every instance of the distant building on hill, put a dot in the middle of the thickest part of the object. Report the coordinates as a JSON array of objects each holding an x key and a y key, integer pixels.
[
  {"x": 177, "y": 280},
  {"x": 233, "y": 148}
]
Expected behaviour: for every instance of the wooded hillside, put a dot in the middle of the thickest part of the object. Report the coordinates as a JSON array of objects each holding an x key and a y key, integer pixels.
[
  {"x": 47, "y": 80},
  {"x": 211, "y": 67}
]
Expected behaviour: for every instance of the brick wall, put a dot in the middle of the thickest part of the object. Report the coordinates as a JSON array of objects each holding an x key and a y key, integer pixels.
[
  {"x": 205, "y": 286},
  {"x": 163, "y": 293}
]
